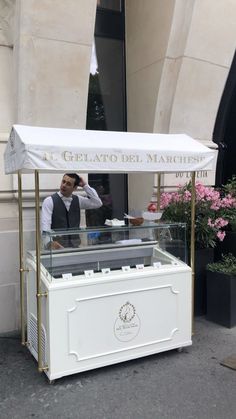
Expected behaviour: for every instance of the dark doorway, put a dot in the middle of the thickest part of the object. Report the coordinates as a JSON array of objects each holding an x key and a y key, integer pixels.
[
  {"x": 107, "y": 103},
  {"x": 225, "y": 130}
]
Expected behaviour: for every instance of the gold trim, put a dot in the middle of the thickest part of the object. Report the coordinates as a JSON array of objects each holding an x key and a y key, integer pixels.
[
  {"x": 158, "y": 192},
  {"x": 42, "y": 369},
  {"x": 42, "y": 294},
  {"x": 21, "y": 260},
  {"x": 38, "y": 273},
  {"x": 192, "y": 245}
]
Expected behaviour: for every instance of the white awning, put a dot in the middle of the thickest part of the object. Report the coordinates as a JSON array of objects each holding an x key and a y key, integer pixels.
[{"x": 58, "y": 149}]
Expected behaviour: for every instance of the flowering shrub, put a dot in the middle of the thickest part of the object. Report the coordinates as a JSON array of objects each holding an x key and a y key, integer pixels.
[
  {"x": 227, "y": 265},
  {"x": 213, "y": 212},
  {"x": 230, "y": 189}
]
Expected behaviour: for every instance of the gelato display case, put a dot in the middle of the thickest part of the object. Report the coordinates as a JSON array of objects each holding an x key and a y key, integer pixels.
[{"x": 111, "y": 294}]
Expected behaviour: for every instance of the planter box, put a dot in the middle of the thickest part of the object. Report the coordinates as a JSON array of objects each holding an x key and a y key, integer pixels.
[
  {"x": 221, "y": 298},
  {"x": 228, "y": 245},
  {"x": 202, "y": 258}
]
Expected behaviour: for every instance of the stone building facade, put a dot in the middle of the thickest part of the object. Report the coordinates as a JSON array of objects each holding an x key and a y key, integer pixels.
[{"x": 178, "y": 57}]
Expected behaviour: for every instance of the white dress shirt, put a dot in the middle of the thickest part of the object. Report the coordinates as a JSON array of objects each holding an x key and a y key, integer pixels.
[{"x": 91, "y": 201}]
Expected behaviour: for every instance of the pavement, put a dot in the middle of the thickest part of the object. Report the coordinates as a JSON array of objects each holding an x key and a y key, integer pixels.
[{"x": 187, "y": 385}]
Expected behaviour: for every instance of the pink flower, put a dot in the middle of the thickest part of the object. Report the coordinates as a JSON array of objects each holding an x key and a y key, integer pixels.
[
  {"x": 187, "y": 196},
  {"x": 216, "y": 205},
  {"x": 213, "y": 209},
  {"x": 220, "y": 222},
  {"x": 228, "y": 202},
  {"x": 209, "y": 223},
  {"x": 166, "y": 199},
  {"x": 221, "y": 235}
]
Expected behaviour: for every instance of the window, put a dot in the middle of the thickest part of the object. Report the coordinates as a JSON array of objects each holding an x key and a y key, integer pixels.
[
  {"x": 110, "y": 4},
  {"x": 107, "y": 103}
]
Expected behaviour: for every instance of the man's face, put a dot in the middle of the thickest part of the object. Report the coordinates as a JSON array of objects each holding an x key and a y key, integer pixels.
[{"x": 67, "y": 186}]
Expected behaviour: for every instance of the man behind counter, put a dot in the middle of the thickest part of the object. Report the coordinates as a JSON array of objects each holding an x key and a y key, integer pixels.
[{"x": 62, "y": 209}]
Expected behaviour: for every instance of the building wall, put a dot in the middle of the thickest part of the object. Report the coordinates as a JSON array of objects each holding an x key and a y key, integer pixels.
[
  {"x": 45, "y": 51},
  {"x": 208, "y": 54},
  {"x": 9, "y": 295},
  {"x": 148, "y": 25},
  {"x": 178, "y": 57},
  {"x": 175, "y": 84}
]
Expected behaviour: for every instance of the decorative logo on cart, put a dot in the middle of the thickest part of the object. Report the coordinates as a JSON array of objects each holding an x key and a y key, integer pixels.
[
  {"x": 127, "y": 325},
  {"x": 127, "y": 312}
]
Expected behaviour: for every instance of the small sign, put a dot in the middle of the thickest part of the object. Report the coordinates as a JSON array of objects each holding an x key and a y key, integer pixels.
[
  {"x": 125, "y": 268},
  {"x": 67, "y": 276},
  {"x": 157, "y": 264},
  {"x": 106, "y": 271},
  {"x": 140, "y": 267},
  {"x": 89, "y": 273}
]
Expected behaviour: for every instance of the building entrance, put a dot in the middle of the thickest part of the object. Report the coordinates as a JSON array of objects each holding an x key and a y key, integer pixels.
[
  {"x": 225, "y": 130},
  {"x": 107, "y": 103}
]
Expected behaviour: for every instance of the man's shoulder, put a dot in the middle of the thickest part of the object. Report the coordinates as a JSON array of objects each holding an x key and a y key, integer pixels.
[{"x": 48, "y": 200}]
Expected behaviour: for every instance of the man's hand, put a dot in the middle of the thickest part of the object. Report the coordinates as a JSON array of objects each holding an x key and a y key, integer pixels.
[
  {"x": 82, "y": 182},
  {"x": 55, "y": 246}
]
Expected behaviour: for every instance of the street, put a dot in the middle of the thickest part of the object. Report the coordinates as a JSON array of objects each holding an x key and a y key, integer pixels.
[{"x": 186, "y": 385}]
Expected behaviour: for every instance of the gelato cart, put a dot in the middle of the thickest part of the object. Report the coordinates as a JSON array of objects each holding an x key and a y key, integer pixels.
[{"x": 122, "y": 295}]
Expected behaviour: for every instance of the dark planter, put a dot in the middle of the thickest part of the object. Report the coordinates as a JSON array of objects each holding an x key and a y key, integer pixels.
[
  {"x": 221, "y": 298},
  {"x": 202, "y": 258},
  {"x": 228, "y": 245}
]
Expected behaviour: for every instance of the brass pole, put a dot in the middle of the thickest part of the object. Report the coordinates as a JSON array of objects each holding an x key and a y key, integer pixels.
[
  {"x": 21, "y": 260},
  {"x": 192, "y": 245},
  {"x": 38, "y": 279},
  {"x": 158, "y": 192}
]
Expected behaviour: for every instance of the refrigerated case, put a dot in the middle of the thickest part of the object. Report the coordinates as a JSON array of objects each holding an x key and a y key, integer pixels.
[{"x": 119, "y": 295}]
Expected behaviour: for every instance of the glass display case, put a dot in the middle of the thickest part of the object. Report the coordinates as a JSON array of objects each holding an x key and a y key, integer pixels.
[
  {"x": 111, "y": 294},
  {"x": 89, "y": 251}
]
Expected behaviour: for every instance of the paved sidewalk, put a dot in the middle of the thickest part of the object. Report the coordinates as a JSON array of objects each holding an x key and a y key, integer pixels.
[{"x": 172, "y": 385}]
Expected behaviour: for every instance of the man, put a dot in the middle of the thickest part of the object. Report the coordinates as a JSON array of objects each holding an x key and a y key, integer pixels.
[{"x": 62, "y": 209}]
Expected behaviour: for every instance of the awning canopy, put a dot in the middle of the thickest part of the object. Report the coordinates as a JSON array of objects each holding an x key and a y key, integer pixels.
[{"x": 58, "y": 149}]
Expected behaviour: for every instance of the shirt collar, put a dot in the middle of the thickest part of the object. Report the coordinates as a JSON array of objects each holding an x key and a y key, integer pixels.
[{"x": 65, "y": 198}]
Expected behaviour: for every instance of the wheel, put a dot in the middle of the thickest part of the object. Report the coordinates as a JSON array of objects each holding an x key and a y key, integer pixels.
[{"x": 51, "y": 382}]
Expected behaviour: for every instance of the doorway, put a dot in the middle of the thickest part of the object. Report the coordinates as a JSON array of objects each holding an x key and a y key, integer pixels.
[
  {"x": 225, "y": 130},
  {"x": 107, "y": 103}
]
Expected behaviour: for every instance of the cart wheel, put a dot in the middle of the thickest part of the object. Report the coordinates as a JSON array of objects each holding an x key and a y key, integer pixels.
[
  {"x": 51, "y": 382},
  {"x": 180, "y": 349}
]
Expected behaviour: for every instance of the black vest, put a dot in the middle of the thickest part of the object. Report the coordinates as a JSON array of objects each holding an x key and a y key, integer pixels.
[{"x": 63, "y": 219}]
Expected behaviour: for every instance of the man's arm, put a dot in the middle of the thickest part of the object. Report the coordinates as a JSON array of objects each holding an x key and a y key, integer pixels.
[
  {"x": 46, "y": 214},
  {"x": 46, "y": 222},
  {"x": 92, "y": 199}
]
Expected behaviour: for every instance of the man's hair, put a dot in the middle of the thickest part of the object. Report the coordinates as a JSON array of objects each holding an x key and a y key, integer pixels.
[{"x": 75, "y": 177}]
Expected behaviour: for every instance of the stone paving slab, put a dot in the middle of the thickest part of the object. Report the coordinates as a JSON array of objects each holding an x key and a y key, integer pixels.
[{"x": 188, "y": 385}]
